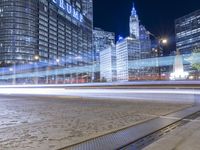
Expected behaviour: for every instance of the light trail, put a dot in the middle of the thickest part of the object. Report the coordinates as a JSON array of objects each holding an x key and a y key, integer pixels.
[
  {"x": 109, "y": 84},
  {"x": 136, "y": 64},
  {"x": 160, "y": 95},
  {"x": 63, "y": 91}
]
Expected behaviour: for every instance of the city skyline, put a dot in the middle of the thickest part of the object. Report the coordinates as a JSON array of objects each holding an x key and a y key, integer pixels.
[
  {"x": 108, "y": 75},
  {"x": 162, "y": 23},
  {"x": 67, "y": 39}
]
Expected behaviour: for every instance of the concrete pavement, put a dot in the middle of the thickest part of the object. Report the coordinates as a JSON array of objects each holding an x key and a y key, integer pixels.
[
  {"x": 184, "y": 138},
  {"x": 35, "y": 122},
  {"x": 121, "y": 138}
]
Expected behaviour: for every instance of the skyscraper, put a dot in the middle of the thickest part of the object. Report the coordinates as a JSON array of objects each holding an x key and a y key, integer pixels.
[
  {"x": 188, "y": 32},
  {"x": 145, "y": 42},
  {"x": 127, "y": 50},
  {"x": 134, "y": 24},
  {"x": 101, "y": 41},
  {"x": 108, "y": 64},
  {"x": 188, "y": 36},
  {"x": 58, "y": 31},
  {"x": 146, "y": 73}
]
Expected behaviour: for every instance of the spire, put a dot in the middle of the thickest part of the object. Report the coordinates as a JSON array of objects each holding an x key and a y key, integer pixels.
[
  {"x": 133, "y": 12},
  {"x": 134, "y": 23}
]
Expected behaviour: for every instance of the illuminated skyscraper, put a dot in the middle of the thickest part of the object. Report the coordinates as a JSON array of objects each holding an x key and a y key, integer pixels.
[
  {"x": 53, "y": 31},
  {"x": 146, "y": 73},
  {"x": 145, "y": 42},
  {"x": 101, "y": 41},
  {"x": 134, "y": 24},
  {"x": 108, "y": 64},
  {"x": 188, "y": 32},
  {"x": 188, "y": 36},
  {"x": 127, "y": 50}
]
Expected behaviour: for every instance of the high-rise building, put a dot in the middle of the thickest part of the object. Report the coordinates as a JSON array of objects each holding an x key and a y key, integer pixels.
[
  {"x": 188, "y": 37},
  {"x": 134, "y": 24},
  {"x": 145, "y": 42},
  {"x": 134, "y": 49},
  {"x": 146, "y": 73},
  {"x": 188, "y": 32},
  {"x": 101, "y": 41},
  {"x": 127, "y": 51},
  {"x": 47, "y": 31},
  {"x": 108, "y": 71}
]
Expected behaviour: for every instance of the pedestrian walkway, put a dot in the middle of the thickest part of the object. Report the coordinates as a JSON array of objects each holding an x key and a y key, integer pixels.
[{"x": 124, "y": 137}]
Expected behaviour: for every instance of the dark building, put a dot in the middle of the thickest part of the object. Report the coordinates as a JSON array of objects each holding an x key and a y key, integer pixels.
[
  {"x": 145, "y": 43},
  {"x": 48, "y": 31},
  {"x": 188, "y": 32}
]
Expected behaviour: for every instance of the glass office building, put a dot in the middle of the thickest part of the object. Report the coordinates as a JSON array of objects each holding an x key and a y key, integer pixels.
[
  {"x": 188, "y": 40},
  {"x": 101, "y": 41},
  {"x": 188, "y": 32},
  {"x": 108, "y": 71},
  {"x": 127, "y": 50},
  {"x": 56, "y": 31}
]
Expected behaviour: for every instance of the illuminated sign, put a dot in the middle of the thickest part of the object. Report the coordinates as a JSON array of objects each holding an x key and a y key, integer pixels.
[{"x": 69, "y": 9}]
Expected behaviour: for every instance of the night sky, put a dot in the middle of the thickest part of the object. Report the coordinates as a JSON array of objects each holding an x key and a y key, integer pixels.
[{"x": 157, "y": 16}]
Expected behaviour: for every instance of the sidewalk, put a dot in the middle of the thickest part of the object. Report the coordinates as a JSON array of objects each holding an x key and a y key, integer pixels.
[
  {"x": 123, "y": 137},
  {"x": 184, "y": 138}
]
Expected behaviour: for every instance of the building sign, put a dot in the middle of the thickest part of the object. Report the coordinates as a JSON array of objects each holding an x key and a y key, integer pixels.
[{"x": 69, "y": 9}]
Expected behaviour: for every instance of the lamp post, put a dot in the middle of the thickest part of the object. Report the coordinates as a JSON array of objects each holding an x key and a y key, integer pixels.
[
  {"x": 161, "y": 41},
  {"x": 36, "y": 59}
]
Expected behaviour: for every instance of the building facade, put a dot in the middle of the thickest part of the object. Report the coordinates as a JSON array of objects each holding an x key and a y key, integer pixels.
[
  {"x": 108, "y": 71},
  {"x": 145, "y": 43},
  {"x": 188, "y": 32},
  {"x": 49, "y": 31},
  {"x": 133, "y": 50},
  {"x": 101, "y": 40},
  {"x": 146, "y": 73},
  {"x": 127, "y": 51},
  {"x": 188, "y": 37}
]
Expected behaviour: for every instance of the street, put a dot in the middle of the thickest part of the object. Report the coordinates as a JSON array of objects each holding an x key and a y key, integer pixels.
[{"x": 29, "y": 122}]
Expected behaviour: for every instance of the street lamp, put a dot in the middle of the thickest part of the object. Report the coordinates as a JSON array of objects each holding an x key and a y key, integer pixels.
[
  {"x": 164, "y": 41},
  {"x": 161, "y": 42},
  {"x": 36, "y": 59}
]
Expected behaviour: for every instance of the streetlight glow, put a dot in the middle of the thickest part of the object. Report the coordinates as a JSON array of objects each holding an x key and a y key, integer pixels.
[
  {"x": 164, "y": 41},
  {"x": 36, "y": 57}
]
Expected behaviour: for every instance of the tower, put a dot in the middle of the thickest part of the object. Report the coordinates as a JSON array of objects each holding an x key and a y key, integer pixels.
[{"x": 134, "y": 24}]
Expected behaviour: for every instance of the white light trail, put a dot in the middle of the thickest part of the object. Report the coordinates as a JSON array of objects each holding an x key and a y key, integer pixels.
[
  {"x": 40, "y": 90},
  {"x": 136, "y": 64}
]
